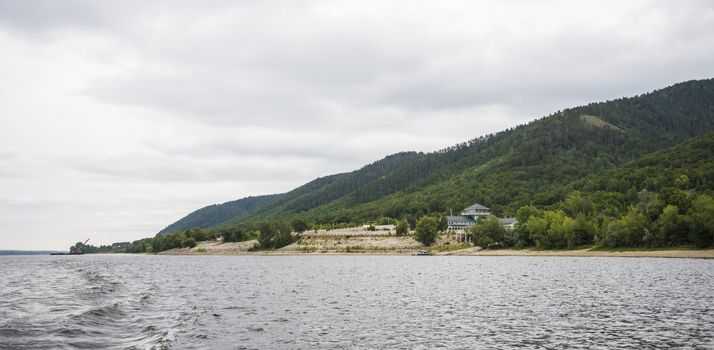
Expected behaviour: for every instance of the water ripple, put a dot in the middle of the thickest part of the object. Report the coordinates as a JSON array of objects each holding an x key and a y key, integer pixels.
[{"x": 337, "y": 302}]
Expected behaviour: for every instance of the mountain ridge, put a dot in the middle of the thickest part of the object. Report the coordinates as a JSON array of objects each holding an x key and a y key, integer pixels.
[{"x": 527, "y": 164}]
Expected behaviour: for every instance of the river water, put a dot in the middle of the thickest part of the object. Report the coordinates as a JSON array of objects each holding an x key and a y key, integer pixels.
[{"x": 357, "y": 302}]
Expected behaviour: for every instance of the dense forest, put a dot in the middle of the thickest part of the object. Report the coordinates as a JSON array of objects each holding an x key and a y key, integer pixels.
[
  {"x": 208, "y": 216},
  {"x": 614, "y": 156}
]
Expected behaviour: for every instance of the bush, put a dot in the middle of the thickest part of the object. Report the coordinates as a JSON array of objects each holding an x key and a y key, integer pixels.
[
  {"x": 275, "y": 236},
  {"x": 402, "y": 228},
  {"x": 299, "y": 226},
  {"x": 232, "y": 235},
  {"x": 188, "y": 242},
  {"x": 426, "y": 230},
  {"x": 488, "y": 233}
]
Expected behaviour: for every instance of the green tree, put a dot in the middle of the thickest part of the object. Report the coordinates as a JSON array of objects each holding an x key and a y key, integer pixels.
[
  {"x": 682, "y": 182},
  {"x": 233, "y": 234},
  {"x": 266, "y": 232},
  {"x": 426, "y": 230},
  {"x": 576, "y": 204},
  {"x": 188, "y": 242},
  {"x": 628, "y": 231},
  {"x": 702, "y": 221},
  {"x": 676, "y": 196},
  {"x": 299, "y": 226},
  {"x": 523, "y": 214},
  {"x": 581, "y": 231},
  {"x": 443, "y": 223},
  {"x": 402, "y": 228},
  {"x": 551, "y": 230},
  {"x": 283, "y": 235},
  {"x": 649, "y": 204},
  {"x": 411, "y": 219},
  {"x": 672, "y": 227},
  {"x": 198, "y": 234},
  {"x": 488, "y": 232}
]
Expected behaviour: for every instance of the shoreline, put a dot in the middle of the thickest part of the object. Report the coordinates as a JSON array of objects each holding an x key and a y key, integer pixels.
[
  {"x": 471, "y": 251},
  {"x": 665, "y": 253}
]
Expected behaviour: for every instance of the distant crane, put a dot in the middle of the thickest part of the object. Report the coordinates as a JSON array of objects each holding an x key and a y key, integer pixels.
[
  {"x": 74, "y": 250},
  {"x": 77, "y": 248}
]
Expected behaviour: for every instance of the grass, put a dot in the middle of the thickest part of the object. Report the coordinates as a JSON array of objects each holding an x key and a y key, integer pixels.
[
  {"x": 308, "y": 249},
  {"x": 354, "y": 249},
  {"x": 451, "y": 248},
  {"x": 534, "y": 248},
  {"x": 642, "y": 249}
]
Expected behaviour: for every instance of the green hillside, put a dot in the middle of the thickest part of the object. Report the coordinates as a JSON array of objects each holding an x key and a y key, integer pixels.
[
  {"x": 539, "y": 163},
  {"x": 212, "y": 214}
]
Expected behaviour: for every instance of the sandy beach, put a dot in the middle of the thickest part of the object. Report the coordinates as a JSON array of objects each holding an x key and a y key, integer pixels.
[
  {"x": 694, "y": 254},
  {"x": 374, "y": 245}
]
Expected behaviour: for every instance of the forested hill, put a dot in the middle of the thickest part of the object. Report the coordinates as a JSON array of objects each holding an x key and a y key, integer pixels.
[
  {"x": 217, "y": 213},
  {"x": 535, "y": 163}
]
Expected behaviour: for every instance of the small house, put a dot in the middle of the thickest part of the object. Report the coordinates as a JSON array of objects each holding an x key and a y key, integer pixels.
[{"x": 508, "y": 223}]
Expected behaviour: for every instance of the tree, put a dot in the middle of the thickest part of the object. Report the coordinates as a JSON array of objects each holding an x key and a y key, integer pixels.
[
  {"x": 649, "y": 204},
  {"x": 581, "y": 232},
  {"x": 676, "y": 196},
  {"x": 702, "y": 225},
  {"x": 233, "y": 234},
  {"x": 188, "y": 242},
  {"x": 488, "y": 232},
  {"x": 197, "y": 234},
  {"x": 411, "y": 219},
  {"x": 550, "y": 231},
  {"x": 265, "y": 235},
  {"x": 283, "y": 236},
  {"x": 682, "y": 182},
  {"x": 523, "y": 214},
  {"x": 402, "y": 228},
  {"x": 443, "y": 223},
  {"x": 628, "y": 231},
  {"x": 576, "y": 204},
  {"x": 672, "y": 227},
  {"x": 299, "y": 226},
  {"x": 426, "y": 230}
]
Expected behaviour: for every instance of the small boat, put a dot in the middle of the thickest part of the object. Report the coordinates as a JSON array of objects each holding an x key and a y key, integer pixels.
[{"x": 423, "y": 253}]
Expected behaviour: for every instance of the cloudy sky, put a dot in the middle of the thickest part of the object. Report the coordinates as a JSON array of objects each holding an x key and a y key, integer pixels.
[{"x": 119, "y": 117}]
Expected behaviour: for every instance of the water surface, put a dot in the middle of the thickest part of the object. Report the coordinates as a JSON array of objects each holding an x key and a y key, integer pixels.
[{"x": 359, "y": 302}]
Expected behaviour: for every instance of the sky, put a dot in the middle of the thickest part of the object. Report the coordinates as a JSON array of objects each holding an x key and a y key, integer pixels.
[{"x": 118, "y": 118}]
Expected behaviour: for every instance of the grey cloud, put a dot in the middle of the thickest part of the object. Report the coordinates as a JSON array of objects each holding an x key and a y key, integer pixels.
[
  {"x": 301, "y": 70},
  {"x": 211, "y": 101},
  {"x": 45, "y": 14},
  {"x": 182, "y": 169}
]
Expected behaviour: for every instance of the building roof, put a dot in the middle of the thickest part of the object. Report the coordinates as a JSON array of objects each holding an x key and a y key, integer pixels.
[
  {"x": 459, "y": 218},
  {"x": 476, "y": 207},
  {"x": 508, "y": 221}
]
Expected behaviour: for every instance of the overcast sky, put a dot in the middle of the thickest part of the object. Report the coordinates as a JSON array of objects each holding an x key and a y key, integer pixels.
[{"x": 119, "y": 117}]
